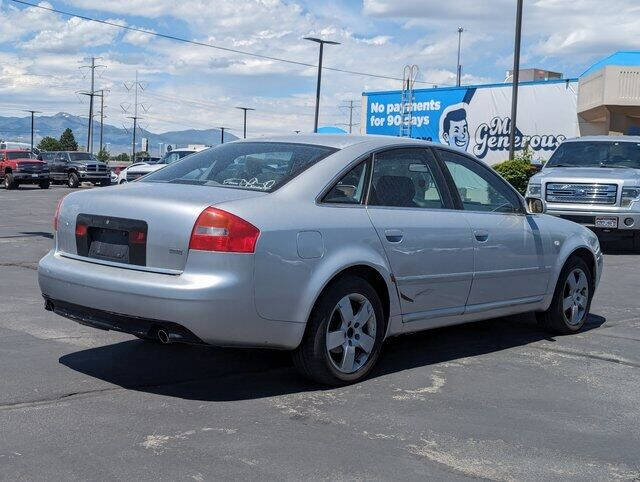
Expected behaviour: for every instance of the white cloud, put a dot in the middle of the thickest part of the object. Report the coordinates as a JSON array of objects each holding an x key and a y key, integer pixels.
[{"x": 75, "y": 34}]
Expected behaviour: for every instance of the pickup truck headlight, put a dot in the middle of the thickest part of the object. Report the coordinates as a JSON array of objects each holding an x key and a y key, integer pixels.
[
  {"x": 534, "y": 190},
  {"x": 629, "y": 194}
]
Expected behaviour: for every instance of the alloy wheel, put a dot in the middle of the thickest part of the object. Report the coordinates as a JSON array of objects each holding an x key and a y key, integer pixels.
[
  {"x": 575, "y": 296},
  {"x": 351, "y": 333}
]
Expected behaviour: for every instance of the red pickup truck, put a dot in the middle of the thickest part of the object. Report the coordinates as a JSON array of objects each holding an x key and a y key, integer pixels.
[{"x": 21, "y": 167}]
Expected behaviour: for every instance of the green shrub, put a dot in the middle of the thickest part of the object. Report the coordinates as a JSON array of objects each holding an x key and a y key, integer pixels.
[{"x": 516, "y": 172}]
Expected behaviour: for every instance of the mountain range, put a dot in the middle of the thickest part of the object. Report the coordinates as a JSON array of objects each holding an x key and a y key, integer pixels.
[{"x": 118, "y": 139}]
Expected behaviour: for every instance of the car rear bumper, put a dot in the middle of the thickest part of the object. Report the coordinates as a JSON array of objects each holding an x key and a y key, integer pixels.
[
  {"x": 31, "y": 178},
  {"x": 587, "y": 218},
  {"x": 217, "y": 309},
  {"x": 94, "y": 177}
]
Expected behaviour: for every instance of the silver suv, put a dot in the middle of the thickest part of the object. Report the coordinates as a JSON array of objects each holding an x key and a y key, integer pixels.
[{"x": 594, "y": 181}]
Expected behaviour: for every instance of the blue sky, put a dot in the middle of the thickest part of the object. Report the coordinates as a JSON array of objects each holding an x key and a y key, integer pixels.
[{"x": 198, "y": 87}]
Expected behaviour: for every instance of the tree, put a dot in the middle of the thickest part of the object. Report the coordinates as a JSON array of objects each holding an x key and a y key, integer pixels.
[
  {"x": 49, "y": 143},
  {"x": 68, "y": 141},
  {"x": 142, "y": 155},
  {"x": 103, "y": 155},
  {"x": 124, "y": 157}
]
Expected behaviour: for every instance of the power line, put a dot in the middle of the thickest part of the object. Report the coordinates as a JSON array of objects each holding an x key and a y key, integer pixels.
[{"x": 204, "y": 44}]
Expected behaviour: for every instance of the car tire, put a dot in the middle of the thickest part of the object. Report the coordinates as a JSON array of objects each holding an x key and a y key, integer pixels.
[
  {"x": 73, "y": 181},
  {"x": 335, "y": 350},
  {"x": 44, "y": 184},
  {"x": 572, "y": 297},
  {"x": 9, "y": 182}
]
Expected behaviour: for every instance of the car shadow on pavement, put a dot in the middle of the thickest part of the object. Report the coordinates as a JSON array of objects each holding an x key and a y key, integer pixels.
[{"x": 227, "y": 374}]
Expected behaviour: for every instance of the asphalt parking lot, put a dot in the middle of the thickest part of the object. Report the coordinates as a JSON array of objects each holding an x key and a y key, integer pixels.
[{"x": 498, "y": 399}]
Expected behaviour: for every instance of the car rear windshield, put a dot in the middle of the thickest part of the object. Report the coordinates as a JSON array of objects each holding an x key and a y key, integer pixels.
[
  {"x": 257, "y": 166},
  {"x": 596, "y": 154},
  {"x": 20, "y": 155}
]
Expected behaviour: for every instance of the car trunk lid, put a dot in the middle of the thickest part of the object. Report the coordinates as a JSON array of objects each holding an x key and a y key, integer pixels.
[{"x": 140, "y": 226}]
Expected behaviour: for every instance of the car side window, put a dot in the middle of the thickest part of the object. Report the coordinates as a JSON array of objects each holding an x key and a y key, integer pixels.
[
  {"x": 479, "y": 190},
  {"x": 403, "y": 178},
  {"x": 350, "y": 188}
]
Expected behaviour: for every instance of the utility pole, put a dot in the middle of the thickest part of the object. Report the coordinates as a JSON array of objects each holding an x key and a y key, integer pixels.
[
  {"x": 135, "y": 86},
  {"x": 321, "y": 42},
  {"x": 245, "y": 109},
  {"x": 350, "y": 106},
  {"x": 91, "y": 94},
  {"x": 515, "y": 79},
  {"x": 459, "y": 69},
  {"x": 102, "y": 115},
  {"x": 32, "y": 113},
  {"x": 222, "y": 134}
]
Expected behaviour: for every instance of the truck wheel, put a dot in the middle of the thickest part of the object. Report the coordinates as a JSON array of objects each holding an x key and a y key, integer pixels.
[
  {"x": 9, "y": 181},
  {"x": 344, "y": 334},
  {"x": 73, "y": 181},
  {"x": 44, "y": 184},
  {"x": 571, "y": 302}
]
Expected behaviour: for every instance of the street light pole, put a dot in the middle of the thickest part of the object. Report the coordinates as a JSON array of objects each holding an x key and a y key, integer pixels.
[
  {"x": 321, "y": 42},
  {"x": 32, "y": 113},
  {"x": 222, "y": 134},
  {"x": 244, "y": 129},
  {"x": 459, "y": 69},
  {"x": 515, "y": 79}
]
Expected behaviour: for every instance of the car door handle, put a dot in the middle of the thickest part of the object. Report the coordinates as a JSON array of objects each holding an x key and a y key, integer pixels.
[
  {"x": 481, "y": 235},
  {"x": 393, "y": 235}
]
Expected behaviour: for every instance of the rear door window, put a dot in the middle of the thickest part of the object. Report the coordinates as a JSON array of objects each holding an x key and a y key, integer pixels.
[{"x": 405, "y": 178}]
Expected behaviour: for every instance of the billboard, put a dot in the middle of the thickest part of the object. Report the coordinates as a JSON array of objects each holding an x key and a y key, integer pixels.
[{"x": 477, "y": 118}]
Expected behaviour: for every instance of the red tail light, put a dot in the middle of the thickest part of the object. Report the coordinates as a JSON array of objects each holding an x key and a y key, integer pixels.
[
  {"x": 56, "y": 215},
  {"x": 218, "y": 230},
  {"x": 81, "y": 229}
]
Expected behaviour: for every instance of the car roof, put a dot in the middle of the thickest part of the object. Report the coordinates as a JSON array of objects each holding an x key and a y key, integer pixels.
[
  {"x": 337, "y": 141},
  {"x": 604, "y": 139}
]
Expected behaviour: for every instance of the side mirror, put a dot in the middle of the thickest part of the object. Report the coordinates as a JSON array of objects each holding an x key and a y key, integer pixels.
[{"x": 536, "y": 205}]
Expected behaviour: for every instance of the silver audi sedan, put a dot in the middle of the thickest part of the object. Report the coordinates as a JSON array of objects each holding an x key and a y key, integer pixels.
[{"x": 322, "y": 245}]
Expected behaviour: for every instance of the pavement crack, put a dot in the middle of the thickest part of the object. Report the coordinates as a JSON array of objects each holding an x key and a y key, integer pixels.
[
  {"x": 25, "y": 265},
  {"x": 594, "y": 356}
]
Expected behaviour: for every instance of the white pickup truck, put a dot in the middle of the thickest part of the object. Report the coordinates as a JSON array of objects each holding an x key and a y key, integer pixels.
[{"x": 594, "y": 181}]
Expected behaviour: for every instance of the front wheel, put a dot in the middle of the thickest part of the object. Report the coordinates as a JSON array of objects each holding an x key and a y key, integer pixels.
[
  {"x": 571, "y": 300},
  {"x": 10, "y": 182},
  {"x": 344, "y": 334},
  {"x": 73, "y": 180},
  {"x": 44, "y": 184}
]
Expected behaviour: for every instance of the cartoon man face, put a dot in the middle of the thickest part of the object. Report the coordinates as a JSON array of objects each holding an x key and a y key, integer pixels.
[{"x": 456, "y": 129}]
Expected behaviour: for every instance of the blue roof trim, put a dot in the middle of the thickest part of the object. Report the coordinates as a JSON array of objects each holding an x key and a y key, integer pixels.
[
  {"x": 621, "y": 58},
  {"x": 476, "y": 86}
]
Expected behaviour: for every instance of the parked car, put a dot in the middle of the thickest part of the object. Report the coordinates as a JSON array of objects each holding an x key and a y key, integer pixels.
[
  {"x": 323, "y": 245},
  {"x": 21, "y": 167},
  {"x": 594, "y": 181},
  {"x": 137, "y": 171},
  {"x": 73, "y": 168},
  {"x": 122, "y": 175}
]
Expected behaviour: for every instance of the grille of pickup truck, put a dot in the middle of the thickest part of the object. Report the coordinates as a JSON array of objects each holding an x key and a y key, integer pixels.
[
  {"x": 30, "y": 166},
  {"x": 578, "y": 193},
  {"x": 96, "y": 168}
]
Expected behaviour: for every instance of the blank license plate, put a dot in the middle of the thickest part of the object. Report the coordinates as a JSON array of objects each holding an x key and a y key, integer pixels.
[
  {"x": 606, "y": 222},
  {"x": 34, "y": 175}
]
